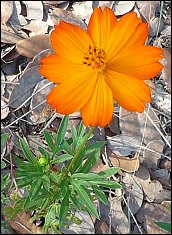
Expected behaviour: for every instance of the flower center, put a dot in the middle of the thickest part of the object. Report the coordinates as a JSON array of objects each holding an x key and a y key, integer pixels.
[{"x": 95, "y": 58}]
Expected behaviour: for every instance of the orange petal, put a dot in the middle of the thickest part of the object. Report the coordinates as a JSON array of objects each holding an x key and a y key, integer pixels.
[
  {"x": 129, "y": 92},
  {"x": 139, "y": 36},
  {"x": 99, "y": 109},
  {"x": 70, "y": 41},
  {"x": 58, "y": 69},
  {"x": 122, "y": 34},
  {"x": 73, "y": 94},
  {"x": 141, "y": 62},
  {"x": 101, "y": 25}
]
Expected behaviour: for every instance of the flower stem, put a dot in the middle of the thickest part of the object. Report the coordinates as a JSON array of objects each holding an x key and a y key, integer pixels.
[{"x": 77, "y": 154}]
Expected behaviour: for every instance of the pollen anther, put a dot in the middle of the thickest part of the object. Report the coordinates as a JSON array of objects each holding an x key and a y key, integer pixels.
[{"x": 95, "y": 58}]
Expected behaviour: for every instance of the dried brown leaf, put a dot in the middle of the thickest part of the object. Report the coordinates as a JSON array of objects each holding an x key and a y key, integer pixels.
[
  {"x": 133, "y": 191},
  {"x": 151, "y": 212},
  {"x": 59, "y": 14},
  {"x": 125, "y": 163},
  {"x": 118, "y": 220},
  {"x": 9, "y": 37},
  {"x": 133, "y": 124},
  {"x": 150, "y": 159},
  {"x": 123, "y": 7},
  {"x": 43, "y": 112},
  {"x": 34, "y": 10},
  {"x": 36, "y": 27},
  {"x": 24, "y": 90},
  {"x": 30, "y": 47},
  {"x": 166, "y": 72},
  {"x": 21, "y": 224},
  {"x": 6, "y": 10}
]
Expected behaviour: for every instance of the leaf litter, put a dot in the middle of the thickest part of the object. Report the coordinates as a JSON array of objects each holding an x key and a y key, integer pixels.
[{"x": 133, "y": 142}]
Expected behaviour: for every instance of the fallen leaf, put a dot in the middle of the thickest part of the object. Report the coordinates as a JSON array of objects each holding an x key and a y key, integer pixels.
[
  {"x": 133, "y": 124},
  {"x": 31, "y": 46},
  {"x": 17, "y": 20},
  {"x": 152, "y": 190},
  {"x": 166, "y": 72},
  {"x": 154, "y": 25},
  {"x": 83, "y": 10},
  {"x": 150, "y": 159},
  {"x": 149, "y": 213},
  {"x": 133, "y": 193},
  {"x": 114, "y": 216},
  {"x": 4, "y": 109},
  {"x": 53, "y": 2},
  {"x": 125, "y": 163},
  {"x": 24, "y": 90},
  {"x": 43, "y": 112},
  {"x": 2, "y": 84},
  {"x": 11, "y": 38},
  {"x": 123, "y": 145},
  {"x": 6, "y": 10},
  {"x": 148, "y": 8},
  {"x": 114, "y": 125},
  {"x": 101, "y": 227},
  {"x": 123, "y": 7},
  {"x": 34, "y": 10},
  {"x": 86, "y": 227},
  {"x": 102, "y": 4},
  {"x": 59, "y": 14},
  {"x": 162, "y": 173},
  {"x": 21, "y": 224},
  {"x": 36, "y": 27}
]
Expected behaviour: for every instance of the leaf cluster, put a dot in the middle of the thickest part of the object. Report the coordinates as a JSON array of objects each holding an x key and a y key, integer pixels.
[{"x": 52, "y": 194}]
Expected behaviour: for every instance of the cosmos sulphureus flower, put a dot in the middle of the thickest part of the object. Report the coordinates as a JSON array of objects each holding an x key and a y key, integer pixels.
[{"x": 107, "y": 63}]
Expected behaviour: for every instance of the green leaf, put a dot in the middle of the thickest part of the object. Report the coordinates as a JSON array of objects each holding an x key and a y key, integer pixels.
[
  {"x": 67, "y": 148},
  {"x": 24, "y": 182},
  {"x": 82, "y": 129},
  {"x": 54, "y": 177},
  {"x": 76, "y": 202},
  {"x": 106, "y": 183},
  {"x": 85, "y": 198},
  {"x": 46, "y": 182},
  {"x": 100, "y": 194},
  {"x": 4, "y": 138},
  {"x": 78, "y": 162},
  {"x": 10, "y": 212},
  {"x": 64, "y": 208},
  {"x": 91, "y": 161},
  {"x": 87, "y": 177},
  {"x": 109, "y": 172},
  {"x": 95, "y": 146},
  {"x": 74, "y": 136},
  {"x": 32, "y": 175},
  {"x": 49, "y": 141},
  {"x": 17, "y": 160},
  {"x": 30, "y": 167},
  {"x": 62, "y": 130},
  {"x": 164, "y": 225},
  {"x": 62, "y": 158},
  {"x": 35, "y": 187},
  {"x": 28, "y": 154},
  {"x": 44, "y": 152},
  {"x": 3, "y": 164}
]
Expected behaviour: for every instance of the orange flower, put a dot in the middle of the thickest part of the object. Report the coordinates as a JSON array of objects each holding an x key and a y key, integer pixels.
[{"x": 92, "y": 69}]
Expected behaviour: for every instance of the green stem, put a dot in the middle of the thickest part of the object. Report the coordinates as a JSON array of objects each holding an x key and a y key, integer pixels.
[{"x": 77, "y": 154}]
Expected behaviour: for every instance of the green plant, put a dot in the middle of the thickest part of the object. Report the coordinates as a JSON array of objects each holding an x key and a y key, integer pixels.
[
  {"x": 55, "y": 194},
  {"x": 5, "y": 178}
]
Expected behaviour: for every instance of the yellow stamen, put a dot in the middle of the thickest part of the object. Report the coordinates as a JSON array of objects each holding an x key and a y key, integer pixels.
[{"x": 95, "y": 58}]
